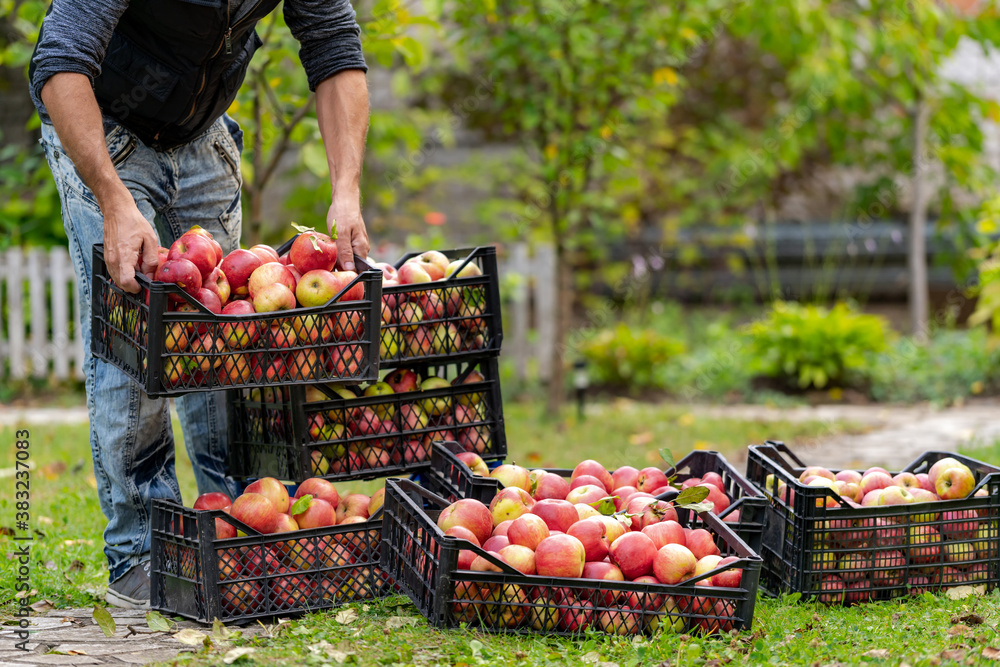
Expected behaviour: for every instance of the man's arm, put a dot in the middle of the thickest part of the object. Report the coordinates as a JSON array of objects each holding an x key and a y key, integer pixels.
[
  {"x": 129, "y": 240},
  {"x": 342, "y": 111},
  {"x": 71, "y": 47},
  {"x": 335, "y": 66}
]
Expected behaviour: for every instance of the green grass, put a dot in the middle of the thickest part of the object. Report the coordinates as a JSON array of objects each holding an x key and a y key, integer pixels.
[
  {"x": 925, "y": 630},
  {"x": 69, "y": 570}
]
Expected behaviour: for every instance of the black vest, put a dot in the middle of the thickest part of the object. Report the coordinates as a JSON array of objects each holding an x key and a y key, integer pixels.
[{"x": 173, "y": 67}]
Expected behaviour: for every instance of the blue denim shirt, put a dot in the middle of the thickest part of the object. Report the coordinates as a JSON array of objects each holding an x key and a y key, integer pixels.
[{"x": 77, "y": 33}]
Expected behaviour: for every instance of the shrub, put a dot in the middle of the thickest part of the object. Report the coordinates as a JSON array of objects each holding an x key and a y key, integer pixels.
[
  {"x": 952, "y": 365},
  {"x": 811, "y": 346},
  {"x": 623, "y": 356}
]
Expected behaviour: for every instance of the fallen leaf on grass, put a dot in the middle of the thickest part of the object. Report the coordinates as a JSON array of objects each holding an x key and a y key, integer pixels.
[
  {"x": 877, "y": 653},
  {"x": 955, "y": 654},
  {"x": 959, "y": 592},
  {"x": 590, "y": 658},
  {"x": 341, "y": 657},
  {"x": 223, "y": 634},
  {"x": 51, "y": 471},
  {"x": 346, "y": 617},
  {"x": 959, "y": 629},
  {"x": 972, "y": 618},
  {"x": 20, "y": 595},
  {"x": 104, "y": 620},
  {"x": 991, "y": 653},
  {"x": 190, "y": 636},
  {"x": 400, "y": 622},
  {"x": 76, "y": 566},
  {"x": 42, "y": 605},
  {"x": 234, "y": 654}
]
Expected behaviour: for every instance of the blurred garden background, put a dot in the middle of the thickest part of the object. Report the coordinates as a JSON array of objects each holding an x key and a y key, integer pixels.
[{"x": 716, "y": 201}]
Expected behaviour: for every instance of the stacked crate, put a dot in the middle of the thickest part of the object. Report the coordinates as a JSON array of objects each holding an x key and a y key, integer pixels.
[{"x": 294, "y": 431}]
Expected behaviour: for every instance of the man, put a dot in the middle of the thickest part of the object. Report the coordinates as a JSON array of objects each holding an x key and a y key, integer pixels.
[{"x": 133, "y": 96}]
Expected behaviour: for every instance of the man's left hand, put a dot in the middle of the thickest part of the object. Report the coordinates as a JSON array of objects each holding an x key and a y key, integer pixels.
[{"x": 352, "y": 237}]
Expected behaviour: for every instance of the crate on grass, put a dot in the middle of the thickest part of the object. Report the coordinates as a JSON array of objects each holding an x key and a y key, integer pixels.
[
  {"x": 324, "y": 431},
  {"x": 456, "y": 317},
  {"x": 424, "y": 563},
  {"x": 171, "y": 344},
  {"x": 826, "y": 548},
  {"x": 451, "y": 478},
  {"x": 197, "y": 576}
]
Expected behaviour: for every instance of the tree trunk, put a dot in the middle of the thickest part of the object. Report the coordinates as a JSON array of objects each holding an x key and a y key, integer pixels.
[
  {"x": 919, "y": 291},
  {"x": 563, "y": 319}
]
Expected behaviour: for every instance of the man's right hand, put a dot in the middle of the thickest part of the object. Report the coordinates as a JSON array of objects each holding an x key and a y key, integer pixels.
[{"x": 130, "y": 245}]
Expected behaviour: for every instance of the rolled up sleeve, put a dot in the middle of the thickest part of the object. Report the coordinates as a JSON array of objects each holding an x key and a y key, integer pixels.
[
  {"x": 74, "y": 38},
  {"x": 328, "y": 33}
]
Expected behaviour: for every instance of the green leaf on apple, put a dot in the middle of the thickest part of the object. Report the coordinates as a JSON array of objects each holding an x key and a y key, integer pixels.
[
  {"x": 301, "y": 505},
  {"x": 691, "y": 498},
  {"x": 605, "y": 506},
  {"x": 302, "y": 229},
  {"x": 104, "y": 621},
  {"x": 667, "y": 457}
]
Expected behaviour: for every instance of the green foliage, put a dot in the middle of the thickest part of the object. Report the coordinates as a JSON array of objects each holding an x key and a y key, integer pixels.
[
  {"x": 624, "y": 356},
  {"x": 988, "y": 255},
  {"x": 949, "y": 367},
  {"x": 810, "y": 346}
]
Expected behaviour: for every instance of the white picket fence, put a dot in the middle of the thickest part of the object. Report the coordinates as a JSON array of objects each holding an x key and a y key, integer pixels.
[{"x": 39, "y": 335}]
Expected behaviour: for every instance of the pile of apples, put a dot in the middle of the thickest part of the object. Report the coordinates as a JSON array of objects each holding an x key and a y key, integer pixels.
[
  {"x": 435, "y": 320},
  {"x": 908, "y": 547},
  {"x": 251, "y": 281},
  {"x": 627, "y": 484},
  {"x": 266, "y": 507},
  {"x": 568, "y": 538}
]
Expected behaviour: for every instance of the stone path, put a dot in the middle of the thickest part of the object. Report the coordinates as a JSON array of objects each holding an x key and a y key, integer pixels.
[
  {"x": 894, "y": 436},
  {"x": 70, "y": 637}
]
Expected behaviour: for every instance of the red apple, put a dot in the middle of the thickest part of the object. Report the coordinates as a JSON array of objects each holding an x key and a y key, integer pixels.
[
  {"x": 475, "y": 462},
  {"x": 874, "y": 481},
  {"x": 411, "y": 273},
  {"x": 255, "y": 510},
  {"x": 269, "y": 274},
  {"x": 216, "y": 282},
  {"x": 557, "y": 514},
  {"x": 595, "y": 470},
  {"x": 470, "y": 514},
  {"x": 959, "y": 524},
  {"x": 550, "y": 486},
  {"x": 925, "y": 482},
  {"x": 593, "y": 535},
  {"x": 209, "y": 299},
  {"x": 701, "y": 544},
  {"x": 214, "y": 500},
  {"x": 274, "y": 297},
  {"x": 519, "y": 557},
  {"x": 196, "y": 249},
  {"x": 512, "y": 475},
  {"x": 633, "y": 553},
  {"x": 664, "y": 533},
  {"x": 730, "y": 578},
  {"x": 512, "y": 502},
  {"x": 403, "y": 380},
  {"x": 674, "y": 563},
  {"x": 650, "y": 479},
  {"x": 344, "y": 278},
  {"x": 718, "y": 498},
  {"x": 182, "y": 273},
  {"x": 238, "y": 266},
  {"x": 560, "y": 556},
  {"x": 312, "y": 250},
  {"x": 586, "y": 494},
  {"x": 319, "y": 488},
  {"x": 266, "y": 253},
  {"x": 528, "y": 530},
  {"x": 496, "y": 543},
  {"x": 239, "y": 335},
  {"x": 318, "y": 513},
  {"x": 624, "y": 476},
  {"x": 955, "y": 482},
  {"x": 271, "y": 489}
]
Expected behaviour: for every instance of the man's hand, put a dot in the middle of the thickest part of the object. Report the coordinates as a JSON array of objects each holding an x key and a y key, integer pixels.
[
  {"x": 130, "y": 245},
  {"x": 352, "y": 237}
]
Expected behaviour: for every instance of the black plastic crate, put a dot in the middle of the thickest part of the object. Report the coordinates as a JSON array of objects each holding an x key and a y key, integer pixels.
[
  {"x": 423, "y": 562},
  {"x": 278, "y": 432},
  {"x": 452, "y": 479},
  {"x": 816, "y": 544},
  {"x": 196, "y": 576},
  {"x": 746, "y": 512},
  {"x": 452, "y": 318},
  {"x": 170, "y": 352}
]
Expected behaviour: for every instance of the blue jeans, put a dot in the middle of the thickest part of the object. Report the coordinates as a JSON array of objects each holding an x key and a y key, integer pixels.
[{"x": 131, "y": 437}]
